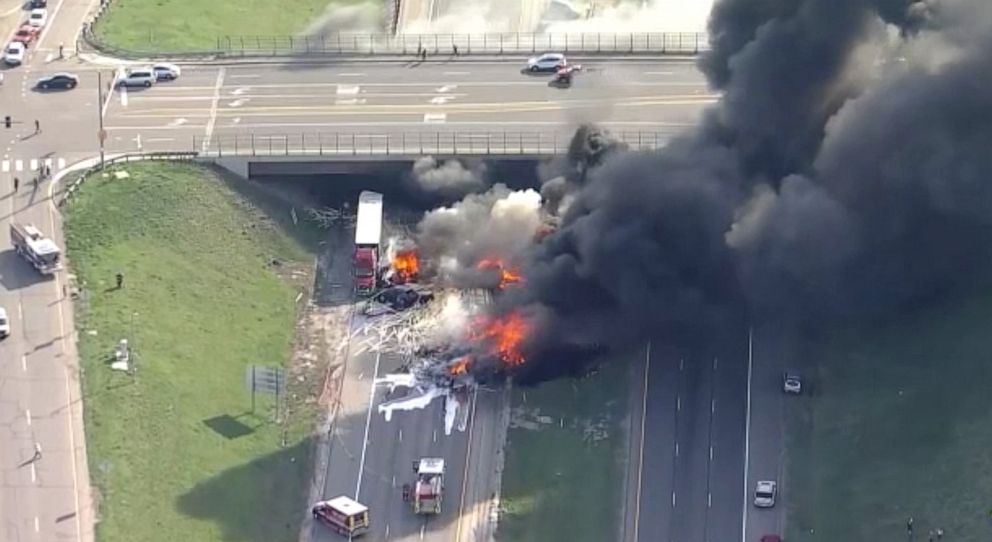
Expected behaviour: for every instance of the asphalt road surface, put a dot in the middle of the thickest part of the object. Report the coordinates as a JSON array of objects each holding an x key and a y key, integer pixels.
[
  {"x": 44, "y": 487},
  {"x": 269, "y": 102}
]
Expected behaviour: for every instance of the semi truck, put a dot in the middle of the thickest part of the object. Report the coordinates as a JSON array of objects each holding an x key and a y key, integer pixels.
[
  {"x": 368, "y": 238},
  {"x": 343, "y": 515},
  {"x": 41, "y": 252},
  {"x": 428, "y": 490}
]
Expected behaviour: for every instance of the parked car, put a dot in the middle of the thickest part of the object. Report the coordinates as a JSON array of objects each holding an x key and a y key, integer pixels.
[
  {"x": 38, "y": 17},
  {"x": 138, "y": 77},
  {"x": 764, "y": 494},
  {"x": 4, "y": 324},
  {"x": 548, "y": 62},
  {"x": 26, "y": 34},
  {"x": 166, "y": 72},
  {"x": 792, "y": 383},
  {"x": 13, "y": 55},
  {"x": 58, "y": 80}
]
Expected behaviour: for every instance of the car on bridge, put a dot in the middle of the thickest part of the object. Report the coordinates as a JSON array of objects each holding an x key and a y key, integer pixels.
[
  {"x": 38, "y": 17},
  {"x": 4, "y": 324},
  {"x": 58, "y": 80},
  {"x": 138, "y": 77},
  {"x": 35, "y": 4},
  {"x": 13, "y": 55},
  {"x": 26, "y": 34},
  {"x": 548, "y": 62}
]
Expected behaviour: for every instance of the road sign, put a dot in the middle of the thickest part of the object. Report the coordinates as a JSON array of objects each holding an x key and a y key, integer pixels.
[{"x": 261, "y": 379}]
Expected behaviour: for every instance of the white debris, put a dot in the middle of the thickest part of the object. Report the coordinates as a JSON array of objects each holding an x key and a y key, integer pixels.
[{"x": 417, "y": 400}]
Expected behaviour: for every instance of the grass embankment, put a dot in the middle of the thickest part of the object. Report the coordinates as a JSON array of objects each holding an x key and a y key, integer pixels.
[
  {"x": 564, "y": 459},
  {"x": 900, "y": 426},
  {"x": 174, "y": 452},
  {"x": 191, "y": 25}
]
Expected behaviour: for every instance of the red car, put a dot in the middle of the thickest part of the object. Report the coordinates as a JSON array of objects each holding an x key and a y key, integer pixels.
[{"x": 26, "y": 34}]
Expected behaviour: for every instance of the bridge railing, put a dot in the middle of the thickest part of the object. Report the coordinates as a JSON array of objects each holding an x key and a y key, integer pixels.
[
  {"x": 471, "y": 44},
  {"x": 409, "y": 143}
]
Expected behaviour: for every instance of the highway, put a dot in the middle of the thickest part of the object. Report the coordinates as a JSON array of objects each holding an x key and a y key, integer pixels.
[{"x": 44, "y": 492}]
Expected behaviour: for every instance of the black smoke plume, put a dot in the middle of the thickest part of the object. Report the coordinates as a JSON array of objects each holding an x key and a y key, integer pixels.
[{"x": 846, "y": 171}]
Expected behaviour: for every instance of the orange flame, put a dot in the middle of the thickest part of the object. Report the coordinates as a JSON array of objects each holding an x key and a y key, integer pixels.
[
  {"x": 406, "y": 265},
  {"x": 460, "y": 366},
  {"x": 504, "y": 336},
  {"x": 507, "y": 276}
]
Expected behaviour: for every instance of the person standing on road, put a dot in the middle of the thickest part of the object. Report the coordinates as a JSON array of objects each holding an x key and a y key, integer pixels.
[
  {"x": 454, "y": 47},
  {"x": 61, "y": 50},
  {"x": 17, "y": 182},
  {"x": 37, "y": 126},
  {"x": 423, "y": 55}
]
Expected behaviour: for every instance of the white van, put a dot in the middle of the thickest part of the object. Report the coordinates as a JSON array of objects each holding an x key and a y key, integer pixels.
[{"x": 138, "y": 77}]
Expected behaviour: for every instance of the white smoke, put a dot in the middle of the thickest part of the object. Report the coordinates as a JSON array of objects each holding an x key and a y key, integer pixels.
[
  {"x": 655, "y": 16},
  {"x": 449, "y": 178},
  {"x": 361, "y": 17}
]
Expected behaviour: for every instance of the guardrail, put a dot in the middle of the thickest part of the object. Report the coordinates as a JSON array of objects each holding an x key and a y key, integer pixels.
[
  {"x": 342, "y": 44},
  {"x": 409, "y": 143},
  {"x": 71, "y": 189}
]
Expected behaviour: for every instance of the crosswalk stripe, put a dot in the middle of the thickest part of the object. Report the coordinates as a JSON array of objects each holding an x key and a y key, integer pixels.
[
  {"x": 34, "y": 164},
  {"x": 6, "y": 166},
  {"x": 48, "y": 163},
  {"x": 61, "y": 163},
  {"x": 18, "y": 165}
]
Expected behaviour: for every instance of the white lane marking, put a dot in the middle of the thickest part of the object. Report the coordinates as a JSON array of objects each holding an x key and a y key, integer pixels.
[
  {"x": 440, "y": 100},
  {"x": 238, "y": 103},
  {"x": 659, "y": 73},
  {"x": 747, "y": 431},
  {"x": 676, "y": 449},
  {"x": 711, "y": 454},
  {"x": 392, "y": 483},
  {"x": 239, "y": 91},
  {"x": 423, "y": 528},
  {"x": 640, "y": 454},
  {"x": 178, "y": 122},
  {"x": 435, "y": 118},
  {"x": 123, "y": 93},
  {"x": 712, "y": 406},
  {"x": 348, "y": 90},
  {"x": 678, "y": 403},
  {"x": 673, "y": 499},
  {"x": 27, "y": 416},
  {"x": 159, "y": 139},
  {"x": 399, "y": 437},
  {"x": 137, "y": 141},
  {"x": 387, "y": 531},
  {"x": 351, "y": 74},
  {"x": 49, "y": 57},
  {"x": 435, "y": 435},
  {"x": 681, "y": 363},
  {"x": 110, "y": 95},
  {"x": 368, "y": 422},
  {"x": 236, "y": 120},
  {"x": 34, "y": 165},
  {"x": 34, "y": 473},
  {"x": 446, "y": 88},
  {"x": 24, "y": 363},
  {"x": 244, "y": 76},
  {"x": 61, "y": 163},
  {"x": 213, "y": 111},
  {"x": 37, "y": 525},
  {"x": 350, "y": 101},
  {"x": 709, "y": 500},
  {"x": 457, "y": 73},
  {"x": 20, "y": 306},
  {"x": 5, "y": 166}
]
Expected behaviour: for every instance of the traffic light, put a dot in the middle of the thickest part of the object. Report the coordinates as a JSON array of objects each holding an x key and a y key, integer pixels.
[{"x": 6, "y": 121}]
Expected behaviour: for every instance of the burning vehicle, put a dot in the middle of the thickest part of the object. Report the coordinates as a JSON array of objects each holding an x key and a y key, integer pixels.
[{"x": 397, "y": 298}]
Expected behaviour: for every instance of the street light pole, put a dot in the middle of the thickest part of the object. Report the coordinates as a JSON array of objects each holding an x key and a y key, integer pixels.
[{"x": 101, "y": 135}]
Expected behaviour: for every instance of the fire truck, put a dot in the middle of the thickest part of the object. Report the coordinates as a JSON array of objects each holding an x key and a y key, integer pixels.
[
  {"x": 428, "y": 490},
  {"x": 368, "y": 237},
  {"x": 345, "y": 516},
  {"x": 40, "y": 251}
]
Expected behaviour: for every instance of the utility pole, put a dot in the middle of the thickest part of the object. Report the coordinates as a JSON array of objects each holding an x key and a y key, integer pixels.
[{"x": 102, "y": 134}]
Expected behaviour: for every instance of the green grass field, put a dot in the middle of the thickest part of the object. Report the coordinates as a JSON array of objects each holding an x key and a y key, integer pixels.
[
  {"x": 174, "y": 452},
  {"x": 900, "y": 425},
  {"x": 564, "y": 458},
  {"x": 189, "y": 25}
]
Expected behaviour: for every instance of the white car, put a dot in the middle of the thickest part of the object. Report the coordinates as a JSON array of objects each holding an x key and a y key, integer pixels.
[
  {"x": 38, "y": 17},
  {"x": 13, "y": 55},
  {"x": 764, "y": 494},
  {"x": 166, "y": 72},
  {"x": 548, "y": 62},
  {"x": 4, "y": 324},
  {"x": 138, "y": 77},
  {"x": 792, "y": 383}
]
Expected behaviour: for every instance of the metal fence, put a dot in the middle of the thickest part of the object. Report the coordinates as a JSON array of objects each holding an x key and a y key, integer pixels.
[
  {"x": 470, "y": 44},
  {"x": 408, "y": 143},
  {"x": 644, "y": 43}
]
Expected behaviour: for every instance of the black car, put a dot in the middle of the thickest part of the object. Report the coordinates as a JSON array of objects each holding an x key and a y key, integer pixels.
[
  {"x": 59, "y": 80},
  {"x": 36, "y": 4}
]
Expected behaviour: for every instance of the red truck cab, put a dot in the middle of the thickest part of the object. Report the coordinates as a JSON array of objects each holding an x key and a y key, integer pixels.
[{"x": 366, "y": 263}]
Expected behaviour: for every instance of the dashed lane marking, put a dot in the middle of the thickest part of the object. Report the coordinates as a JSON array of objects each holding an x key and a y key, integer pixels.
[{"x": 435, "y": 118}]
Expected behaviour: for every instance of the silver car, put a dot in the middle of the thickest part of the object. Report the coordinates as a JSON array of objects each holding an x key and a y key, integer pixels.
[
  {"x": 548, "y": 62},
  {"x": 792, "y": 383},
  {"x": 764, "y": 494}
]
